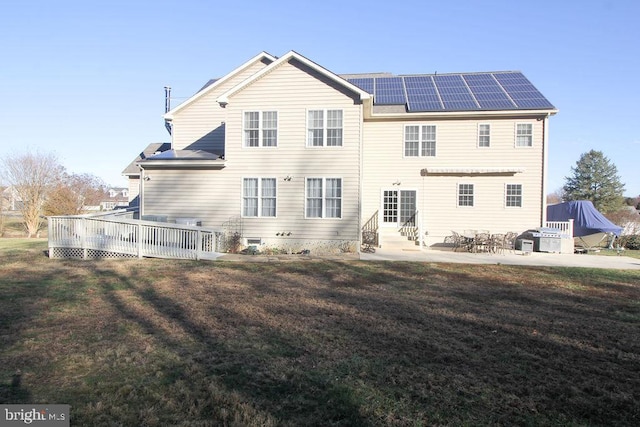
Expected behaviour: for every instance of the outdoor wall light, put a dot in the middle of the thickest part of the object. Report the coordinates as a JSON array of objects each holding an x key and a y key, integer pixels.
[
  {"x": 288, "y": 178},
  {"x": 397, "y": 182},
  {"x": 147, "y": 178}
]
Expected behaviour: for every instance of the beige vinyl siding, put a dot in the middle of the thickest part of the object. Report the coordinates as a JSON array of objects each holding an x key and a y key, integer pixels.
[
  {"x": 134, "y": 188},
  {"x": 202, "y": 194},
  {"x": 292, "y": 92},
  {"x": 456, "y": 147},
  {"x": 199, "y": 126},
  {"x": 215, "y": 196}
]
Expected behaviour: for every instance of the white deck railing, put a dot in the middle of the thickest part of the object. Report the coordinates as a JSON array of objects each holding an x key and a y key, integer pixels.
[
  {"x": 565, "y": 227},
  {"x": 113, "y": 236}
]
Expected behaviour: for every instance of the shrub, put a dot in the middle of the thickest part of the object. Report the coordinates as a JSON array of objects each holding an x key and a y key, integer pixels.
[{"x": 631, "y": 241}]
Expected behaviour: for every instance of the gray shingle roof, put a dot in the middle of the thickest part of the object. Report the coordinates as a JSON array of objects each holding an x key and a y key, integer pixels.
[{"x": 151, "y": 149}]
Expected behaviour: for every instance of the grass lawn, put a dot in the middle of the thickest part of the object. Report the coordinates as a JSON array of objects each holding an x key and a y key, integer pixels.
[{"x": 157, "y": 342}]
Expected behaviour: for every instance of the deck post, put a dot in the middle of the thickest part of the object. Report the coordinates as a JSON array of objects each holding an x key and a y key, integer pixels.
[
  {"x": 199, "y": 245},
  {"x": 139, "y": 240},
  {"x": 83, "y": 237}
]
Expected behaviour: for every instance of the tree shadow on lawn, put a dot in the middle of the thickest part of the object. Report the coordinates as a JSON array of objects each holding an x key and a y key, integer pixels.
[
  {"x": 334, "y": 343},
  {"x": 515, "y": 351},
  {"x": 26, "y": 299},
  {"x": 256, "y": 367}
]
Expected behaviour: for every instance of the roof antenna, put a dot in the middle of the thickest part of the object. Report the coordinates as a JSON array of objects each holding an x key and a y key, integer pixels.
[{"x": 167, "y": 106}]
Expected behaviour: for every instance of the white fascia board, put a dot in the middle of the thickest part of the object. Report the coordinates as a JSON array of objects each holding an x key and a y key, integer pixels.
[
  {"x": 182, "y": 164},
  {"x": 262, "y": 55},
  {"x": 450, "y": 114},
  {"x": 224, "y": 98}
]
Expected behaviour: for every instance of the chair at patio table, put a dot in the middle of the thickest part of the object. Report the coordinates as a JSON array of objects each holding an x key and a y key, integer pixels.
[
  {"x": 509, "y": 242},
  {"x": 482, "y": 242},
  {"x": 497, "y": 243}
]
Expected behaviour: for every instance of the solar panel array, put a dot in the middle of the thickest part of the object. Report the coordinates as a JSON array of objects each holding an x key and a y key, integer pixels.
[{"x": 455, "y": 92}]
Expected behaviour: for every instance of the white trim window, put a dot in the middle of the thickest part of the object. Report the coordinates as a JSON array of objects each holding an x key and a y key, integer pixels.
[
  {"x": 465, "y": 195},
  {"x": 484, "y": 135},
  {"x": 323, "y": 198},
  {"x": 524, "y": 135},
  {"x": 420, "y": 141},
  {"x": 513, "y": 195},
  {"x": 259, "y": 197},
  {"x": 324, "y": 128},
  {"x": 260, "y": 128}
]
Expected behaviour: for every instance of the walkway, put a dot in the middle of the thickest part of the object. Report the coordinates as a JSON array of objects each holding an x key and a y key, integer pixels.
[{"x": 534, "y": 259}]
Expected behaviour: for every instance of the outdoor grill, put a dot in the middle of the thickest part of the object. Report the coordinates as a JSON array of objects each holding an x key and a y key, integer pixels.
[{"x": 545, "y": 239}]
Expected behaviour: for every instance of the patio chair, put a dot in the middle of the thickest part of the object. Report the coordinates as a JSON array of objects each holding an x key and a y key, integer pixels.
[
  {"x": 460, "y": 242},
  {"x": 509, "y": 242},
  {"x": 497, "y": 243},
  {"x": 482, "y": 242}
]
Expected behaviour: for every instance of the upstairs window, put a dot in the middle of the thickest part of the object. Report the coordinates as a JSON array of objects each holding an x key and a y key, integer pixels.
[
  {"x": 465, "y": 194},
  {"x": 420, "y": 141},
  {"x": 324, "y": 198},
  {"x": 524, "y": 135},
  {"x": 260, "y": 129},
  {"x": 484, "y": 135},
  {"x": 324, "y": 128},
  {"x": 259, "y": 197},
  {"x": 513, "y": 195}
]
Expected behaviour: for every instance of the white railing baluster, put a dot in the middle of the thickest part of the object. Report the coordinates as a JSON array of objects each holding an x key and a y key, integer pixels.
[{"x": 122, "y": 234}]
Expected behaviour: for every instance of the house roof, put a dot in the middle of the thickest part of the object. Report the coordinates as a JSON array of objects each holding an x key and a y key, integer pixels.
[
  {"x": 132, "y": 169},
  {"x": 489, "y": 91},
  {"x": 183, "y": 159},
  {"x": 213, "y": 83},
  {"x": 485, "y": 92},
  {"x": 224, "y": 98}
]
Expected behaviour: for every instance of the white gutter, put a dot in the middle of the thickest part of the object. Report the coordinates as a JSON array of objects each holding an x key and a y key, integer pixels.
[{"x": 457, "y": 114}]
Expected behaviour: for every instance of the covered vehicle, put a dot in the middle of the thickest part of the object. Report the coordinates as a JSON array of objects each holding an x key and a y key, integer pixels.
[{"x": 591, "y": 229}]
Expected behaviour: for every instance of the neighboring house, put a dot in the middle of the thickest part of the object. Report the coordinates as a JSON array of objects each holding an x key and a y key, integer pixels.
[
  {"x": 305, "y": 158},
  {"x": 115, "y": 198},
  {"x": 11, "y": 201}
]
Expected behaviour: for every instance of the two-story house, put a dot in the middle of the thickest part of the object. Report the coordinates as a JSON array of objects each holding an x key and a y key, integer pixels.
[{"x": 305, "y": 158}]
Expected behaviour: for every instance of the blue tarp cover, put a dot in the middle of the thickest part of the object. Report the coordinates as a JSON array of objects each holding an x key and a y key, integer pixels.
[{"x": 586, "y": 218}]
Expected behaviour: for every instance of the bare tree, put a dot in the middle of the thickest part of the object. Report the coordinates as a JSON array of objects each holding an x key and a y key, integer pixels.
[
  {"x": 32, "y": 175},
  {"x": 72, "y": 193},
  {"x": 555, "y": 197}
]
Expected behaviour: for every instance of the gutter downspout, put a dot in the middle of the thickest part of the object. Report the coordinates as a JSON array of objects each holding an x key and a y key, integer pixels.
[
  {"x": 360, "y": 179},
  {"x": 141, "y": 193},
  {"x": 545, "y": 160}
]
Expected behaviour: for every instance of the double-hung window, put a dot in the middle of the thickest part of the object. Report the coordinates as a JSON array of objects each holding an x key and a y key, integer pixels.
[
  {"x": 260, "y": 129},
  {"x": 324, "y": 198},
  {"x": 484, "y": 135},
  {"x": 324, "y": 128},
  {"x": 259, "y": 197},
  {"x": 513, "y": 195},
  {"x": 465, "y": 194},
  {"x": 524, "y": 135},
  {"x": 420, "y": 141}
]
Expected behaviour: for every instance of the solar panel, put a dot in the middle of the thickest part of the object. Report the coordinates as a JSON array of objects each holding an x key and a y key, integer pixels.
[
  {"x": 421, "y": 94},
  {"x": 488, "y": 92},
  {"x": 389, "y": 91},
  {"x": 364, "y": 83},
  {"x": 454, "y": 93},
  {"x": 520, "y": 89}
]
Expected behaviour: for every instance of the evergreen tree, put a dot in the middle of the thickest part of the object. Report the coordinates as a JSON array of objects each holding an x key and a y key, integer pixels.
[{"x": 595, "y": 178}]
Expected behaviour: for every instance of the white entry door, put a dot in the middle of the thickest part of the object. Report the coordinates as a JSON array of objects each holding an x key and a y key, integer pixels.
[{"x": 398, "y": 207}]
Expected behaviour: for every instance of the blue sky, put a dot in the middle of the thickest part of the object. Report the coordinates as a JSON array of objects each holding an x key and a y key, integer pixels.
[{"x": 85, "y": 79}]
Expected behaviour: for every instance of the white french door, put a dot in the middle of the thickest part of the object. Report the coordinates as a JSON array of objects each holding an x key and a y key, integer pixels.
[{"x": 398, "y": 207}]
